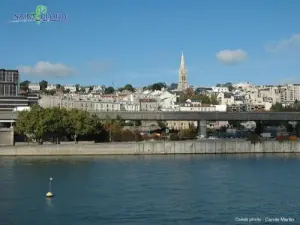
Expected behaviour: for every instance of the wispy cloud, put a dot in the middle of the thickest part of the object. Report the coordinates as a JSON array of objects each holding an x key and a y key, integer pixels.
[
  {"x": 290, "y": 43},
  {"x": 47, "y": 69},
  {"x": 230, "y": 57}
]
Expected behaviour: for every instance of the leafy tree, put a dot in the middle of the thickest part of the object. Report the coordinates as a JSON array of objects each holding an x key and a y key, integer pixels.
[
  {"x": 51, "y": 92},
  {"x": 57, "y": 122},
  {"x": 203, "y": 98},
  {"x": 80, "y": 123},
  {"x": 91, "y": 88},
  {"x": 25, "y": 85},
  {"x": 189, "y": 93},
  {"x": 77, "y": 87},
  {"x": 214, "y": 99},
  {"x": 297, "y": 128},
  {"x": 138, "y": 123},
  {"x": 109, "y": 90},
  {"x": 33, "y": 123},
  {"x": 289, "y": 128},
  {"x": 43, "y": 85},
  {"x": 158, "y": 86},
  {"x": 190, "y": 133},
  {"x": 129, "y": 87},
  {"x": 161, "y": 124},
  {"x": 223, "y": 129},
  {"x": 58, "y": 86},
  {"x": 278, "y": 107},
  {"x": 259, "y": 128}
]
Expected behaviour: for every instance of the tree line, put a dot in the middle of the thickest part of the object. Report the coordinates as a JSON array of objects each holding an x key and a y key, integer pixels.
[{"x": 56, "y": 124}]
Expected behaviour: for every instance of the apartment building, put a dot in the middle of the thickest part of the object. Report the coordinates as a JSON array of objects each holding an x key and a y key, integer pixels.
[{"x": 9, "y": 82}]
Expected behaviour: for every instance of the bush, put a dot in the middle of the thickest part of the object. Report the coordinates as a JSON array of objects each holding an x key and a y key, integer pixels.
[
  {"x": 254, "y": 138},
  {"x": 188, "y": 133},
  {"x": 174, "y": 137}
]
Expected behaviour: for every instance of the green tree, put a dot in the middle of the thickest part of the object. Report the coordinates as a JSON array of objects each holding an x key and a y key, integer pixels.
[
  {"x": 57, "y": 122},
  {"x": 121, "y": 89},
  {"x": 77, "y": 87},
  {"x": 278, "y": 107},
  {"x": 258, "y": 128},
  {"x": 58, "y": 86},
  {"x": 138, "y": 123},
  {"x": 203, "y": 98},
  {"x": 91, "y": 88},
  {"x": 129, "y": 87},
  {"x": 109, "y": 90},
  {"x": 158, "y": 86},
  {"x": 189, "y": 93},
  {"x": 80, "y": 123},
  {"x": 25, "y": 85},
  {"x": 297, "y": 128},
  {"x": 51, "y": 92},
  {"x": 33, "y": 123},
  {"x": 214, "y": 99},
  {"x": 161, "y": 124},
  {"x": 43, "y": 85}
]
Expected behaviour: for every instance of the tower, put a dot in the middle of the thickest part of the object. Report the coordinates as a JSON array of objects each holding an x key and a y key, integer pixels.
[{"x": 182, "y": 83}]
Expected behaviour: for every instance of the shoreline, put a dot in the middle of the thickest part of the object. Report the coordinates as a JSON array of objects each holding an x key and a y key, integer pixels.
[{"x": 152, "y": 148}]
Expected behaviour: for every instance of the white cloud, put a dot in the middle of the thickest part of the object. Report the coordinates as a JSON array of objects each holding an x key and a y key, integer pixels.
[
  {"x": 231, "y": 56},
  {"x": 47, "y": 69},
  {"x": 285, "y": 44}
]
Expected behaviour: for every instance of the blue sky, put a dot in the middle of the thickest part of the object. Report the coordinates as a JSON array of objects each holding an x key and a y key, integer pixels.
[{"x": 140, "y": 41}]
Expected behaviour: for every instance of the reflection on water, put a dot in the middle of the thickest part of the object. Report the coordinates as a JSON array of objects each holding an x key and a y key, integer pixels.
[{"x": 49, "y": 202}]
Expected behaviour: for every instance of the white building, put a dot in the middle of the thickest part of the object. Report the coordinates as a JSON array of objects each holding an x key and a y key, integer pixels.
[
  {"x": 34, "y": 87},
  {"x": 167, "y": 101},
  {"x": 220, "y": 89},
  {"x": 72, "y": 88},
  {"x": 51, "y": 87},
  {"x": 290, "y": 93}
]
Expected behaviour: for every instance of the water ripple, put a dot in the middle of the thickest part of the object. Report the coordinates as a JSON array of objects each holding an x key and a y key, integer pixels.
[{"x": 148, "y": 189}]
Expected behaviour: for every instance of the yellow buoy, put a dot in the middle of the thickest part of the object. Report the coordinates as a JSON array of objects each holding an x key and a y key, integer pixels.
[{"x": 49, "y": 194}]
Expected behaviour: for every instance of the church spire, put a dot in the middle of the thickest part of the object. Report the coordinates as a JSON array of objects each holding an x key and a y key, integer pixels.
[
  {"x": 182, "y": 84},
  {"x": 182, "y": 66}
]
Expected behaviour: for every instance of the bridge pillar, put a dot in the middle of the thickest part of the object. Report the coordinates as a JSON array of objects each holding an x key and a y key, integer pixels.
[
  {"x": 201, "y": 128},
  {"x": 7, "y": 136}
]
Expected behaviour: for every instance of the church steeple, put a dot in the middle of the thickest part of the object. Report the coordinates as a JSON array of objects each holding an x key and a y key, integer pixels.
[
  {"x": 182, "y": 84},
  {"x": 182, "y": 66}
]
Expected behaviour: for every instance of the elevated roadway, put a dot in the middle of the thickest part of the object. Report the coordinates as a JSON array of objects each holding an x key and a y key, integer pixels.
[{"x": 191, "y": 116}]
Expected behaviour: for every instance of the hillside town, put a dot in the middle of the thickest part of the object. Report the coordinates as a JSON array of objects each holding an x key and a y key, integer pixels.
[{"x": 181, "y": 96}]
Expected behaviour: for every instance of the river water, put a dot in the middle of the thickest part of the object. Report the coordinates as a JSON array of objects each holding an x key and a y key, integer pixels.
[{"x": 189, "y": 189}]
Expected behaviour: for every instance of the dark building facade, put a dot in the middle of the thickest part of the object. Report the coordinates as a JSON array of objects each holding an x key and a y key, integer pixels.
[
  {"x": 9, "y": 82},
  {"x": 9, "y": 91}
]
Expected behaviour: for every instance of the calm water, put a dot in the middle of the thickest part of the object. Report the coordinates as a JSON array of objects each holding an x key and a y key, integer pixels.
[{"x": 149, "y": 190}]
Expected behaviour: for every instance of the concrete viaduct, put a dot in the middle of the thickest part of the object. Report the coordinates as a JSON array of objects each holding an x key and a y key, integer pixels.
[
  {"x": 190, "y": 116},
  {"x": 201, "y": 117}
]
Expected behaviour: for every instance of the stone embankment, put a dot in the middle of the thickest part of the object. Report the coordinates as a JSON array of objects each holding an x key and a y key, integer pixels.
[{"x": 155, "y": 147}]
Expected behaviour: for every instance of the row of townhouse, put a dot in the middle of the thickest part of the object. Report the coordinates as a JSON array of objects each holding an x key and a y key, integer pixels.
[{"x": 71, "y": 87}]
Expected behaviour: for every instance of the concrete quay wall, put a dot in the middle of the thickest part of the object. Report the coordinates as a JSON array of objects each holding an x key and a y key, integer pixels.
[{"x": 155, "y": 147}]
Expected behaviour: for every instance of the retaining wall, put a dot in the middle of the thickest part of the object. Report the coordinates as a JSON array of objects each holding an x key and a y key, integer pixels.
[
  {"x": 156, "y": 147},
  {"x": 6, "y": 136}
]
